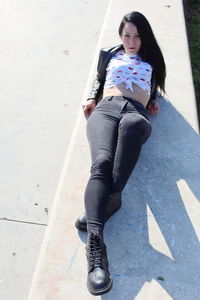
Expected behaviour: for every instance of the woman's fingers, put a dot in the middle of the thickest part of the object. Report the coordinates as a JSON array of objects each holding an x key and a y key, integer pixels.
[
  {"x": 153, "y": 108},
  {"x": 88, "y": 108}
]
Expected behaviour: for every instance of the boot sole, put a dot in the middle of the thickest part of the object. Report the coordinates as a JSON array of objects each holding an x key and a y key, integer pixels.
[{"x": 102, "y": 291}]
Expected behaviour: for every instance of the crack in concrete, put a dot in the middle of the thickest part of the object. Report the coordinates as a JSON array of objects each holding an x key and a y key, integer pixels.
[{"x": 12, "y": 220}]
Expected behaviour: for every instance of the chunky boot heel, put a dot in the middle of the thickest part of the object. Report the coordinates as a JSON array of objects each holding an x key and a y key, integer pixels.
[
  {"x": 81, "y": 222},
  {"x": 114, "y": 204},
  {"x": 99, "y": 281}
]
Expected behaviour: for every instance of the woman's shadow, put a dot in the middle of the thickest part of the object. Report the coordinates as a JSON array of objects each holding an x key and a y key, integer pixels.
[
  {"x": 152, "y": 245},
  {"x": 169, "y": 166}
]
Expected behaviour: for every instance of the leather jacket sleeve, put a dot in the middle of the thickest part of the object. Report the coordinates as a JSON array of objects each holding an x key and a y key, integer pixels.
[
  {"x": 104, "y": 57},
  {"x": 153, "y": 88},
  {"x": 97, "y": 89},
  {"x": 98, "y": 84}
]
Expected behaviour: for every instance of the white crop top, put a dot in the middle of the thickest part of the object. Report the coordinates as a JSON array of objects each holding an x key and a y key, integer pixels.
[{"x": 129, "y": 69}]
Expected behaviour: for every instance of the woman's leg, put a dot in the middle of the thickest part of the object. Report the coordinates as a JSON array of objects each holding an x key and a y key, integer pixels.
[
  {"x": 102, "y": 131},
  {"x": 134, "y": 130},
  {"x": 108, "y": 141},
  {"x": 102, "y": 136}
]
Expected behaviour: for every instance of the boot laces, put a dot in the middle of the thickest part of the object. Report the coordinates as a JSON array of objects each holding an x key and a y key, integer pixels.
[{"x": 96, "y": 251}]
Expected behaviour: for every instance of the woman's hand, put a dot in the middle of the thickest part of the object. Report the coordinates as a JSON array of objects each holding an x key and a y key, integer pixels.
[
  {"x": 88, "y": 107},
  {"x": 153, "y": 108}
]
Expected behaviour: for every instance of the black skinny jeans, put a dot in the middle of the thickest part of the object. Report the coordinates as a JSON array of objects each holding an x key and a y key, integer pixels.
[{"x": 116, "y": 130}]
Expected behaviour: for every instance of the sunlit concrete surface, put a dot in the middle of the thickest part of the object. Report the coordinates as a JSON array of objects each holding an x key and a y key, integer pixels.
[
  {"x": 153, "y": 241},
  {"x": 45, "y": 61}
]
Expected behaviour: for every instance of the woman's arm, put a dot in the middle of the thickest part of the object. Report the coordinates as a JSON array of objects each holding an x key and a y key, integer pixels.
[
  {"x": 96, "y": 90},
  {"x": 97, "y": 87},
  {"x": 98, "y": 84},
  {"x": 153, "y": 107}
]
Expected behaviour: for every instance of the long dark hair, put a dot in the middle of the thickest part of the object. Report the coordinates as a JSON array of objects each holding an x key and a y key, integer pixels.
[{"x": 149, "y": 51}]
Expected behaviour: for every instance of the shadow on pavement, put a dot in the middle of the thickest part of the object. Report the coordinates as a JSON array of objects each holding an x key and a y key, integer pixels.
[{"x": 153, "y": 194}]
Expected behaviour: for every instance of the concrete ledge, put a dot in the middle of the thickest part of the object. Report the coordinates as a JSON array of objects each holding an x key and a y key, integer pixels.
[{"x": 153, "y": 242}]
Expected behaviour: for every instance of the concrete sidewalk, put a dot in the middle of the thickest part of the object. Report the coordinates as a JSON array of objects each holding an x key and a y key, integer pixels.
[
  {"x": 153, "y": 242},
  {"x": 43, "y": 77}
]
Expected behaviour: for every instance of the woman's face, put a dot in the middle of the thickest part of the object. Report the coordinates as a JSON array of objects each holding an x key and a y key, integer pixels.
[{"x": 131, "y": 38}]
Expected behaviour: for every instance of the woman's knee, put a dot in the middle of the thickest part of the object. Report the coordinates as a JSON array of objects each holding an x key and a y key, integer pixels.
[
  {"x": 102, "y": 165},
  {"x": 135, "y": 124}
]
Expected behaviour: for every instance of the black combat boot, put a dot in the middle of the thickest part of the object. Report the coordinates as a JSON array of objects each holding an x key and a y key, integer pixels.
[
  {"x": 114, "y": 204},
  {"x": 99, "y": 280}
]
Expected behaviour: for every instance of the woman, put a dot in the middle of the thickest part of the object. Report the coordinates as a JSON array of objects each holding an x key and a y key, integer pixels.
[{"x": 128, "y": 76}]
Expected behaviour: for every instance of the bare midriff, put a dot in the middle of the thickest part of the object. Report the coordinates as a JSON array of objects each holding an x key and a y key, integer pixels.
[{"x": 138, "y": 93}]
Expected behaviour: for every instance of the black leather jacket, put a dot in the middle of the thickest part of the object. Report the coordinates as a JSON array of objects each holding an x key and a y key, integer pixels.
[{"x": 104, "y": 57}]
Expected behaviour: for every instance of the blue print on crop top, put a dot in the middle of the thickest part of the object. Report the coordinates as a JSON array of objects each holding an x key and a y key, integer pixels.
[{"x": 129, "y": 69}]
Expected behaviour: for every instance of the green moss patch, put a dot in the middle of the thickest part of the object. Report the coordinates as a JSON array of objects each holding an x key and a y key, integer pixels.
[{"x": 192, "y": 18}]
